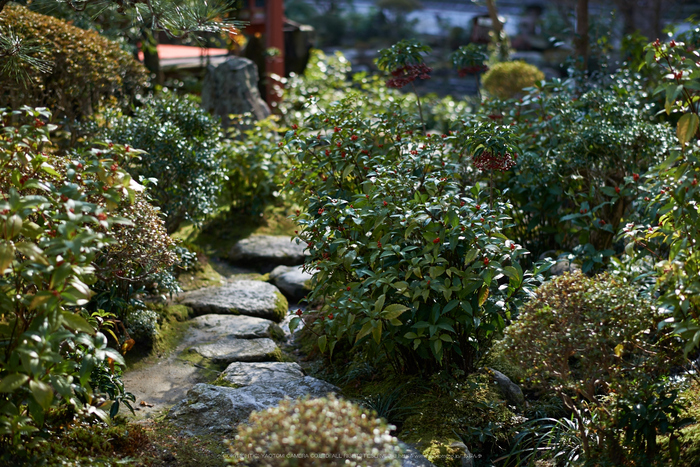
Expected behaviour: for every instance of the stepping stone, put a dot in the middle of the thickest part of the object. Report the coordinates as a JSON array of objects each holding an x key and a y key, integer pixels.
[
  {"x": 292, "y": 281},
  {"x": 217, "y": 409},
  {"x": 239, "y": 326},
  {"x": 244, "y": 297},
  {"x": 246, "y": 374},
  {"x": 268, "y": 250},
  {"x": 239, "y": 350}
]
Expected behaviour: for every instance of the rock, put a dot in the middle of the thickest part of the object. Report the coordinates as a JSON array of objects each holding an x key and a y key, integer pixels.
[
  {"x": 510, "y": 390},
  {"x": 292, "y": 281},
  {"x": 239, "y": 350},
  {"x": 412, "y": 457},
  {"x": 232, "y": 88},
  {"x": 239, "y": 326},
  {"x": 245, "y": 297},
  {"x": 217, "y": 409},
  {"x": 467, "y": 456},
  {"x": 246, "y": 374},
  {"x": 563, "y": 266},
  {"x": 268, "y": 250}
]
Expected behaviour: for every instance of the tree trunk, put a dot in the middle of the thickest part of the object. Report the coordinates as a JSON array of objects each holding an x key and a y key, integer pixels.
[
  {"x": 150, "y": 55},
  {"x": 581, "y": 40},
  {"x": 493, "y": 14}
]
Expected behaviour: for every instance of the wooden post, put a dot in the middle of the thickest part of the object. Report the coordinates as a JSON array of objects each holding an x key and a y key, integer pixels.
[{"x": 274, "y": 33}]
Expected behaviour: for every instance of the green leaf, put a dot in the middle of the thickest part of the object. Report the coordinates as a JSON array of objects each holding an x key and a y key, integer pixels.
[
  {"x": 687, "y": 127},
  {"x": 347, "y": 171},
  {"x": 42, "y": 393},
  {"x": 77, "y": 322},
  {"x": 471, "y": 255},
  {"x": 366, "y": 329},
  {"x": 393, "y": 311},
  {"x": 377, "y": 332},
  {"x": 322, "y": 343},
  {"x": 11, "y": 383},
  {"x": 294, "y": 324},
  {"x": 379, "y": 303},
  {"x": 483, "y": 295},
  {"x": 7, "y": 255}
]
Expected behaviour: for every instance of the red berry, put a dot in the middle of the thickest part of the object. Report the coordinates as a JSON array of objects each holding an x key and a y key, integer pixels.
[
  {"x": 299, "y": 312},
  {"x": 617, "y": 190},
  {"x": 348, "y": 289},
  {"x": 437, "y": 240},
  {"x": 294, "y": 127},
  {"x": 486, "y": 261},
  {"x": 384, "y": 203},
  {"x": 635, "y": 177}
]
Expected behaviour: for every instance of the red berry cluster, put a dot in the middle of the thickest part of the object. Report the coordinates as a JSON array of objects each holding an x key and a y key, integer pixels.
[
  {"x": 407, "y": 74},
  {"x": 472, "y": 70},
  {"x": 490, "y": 161}
]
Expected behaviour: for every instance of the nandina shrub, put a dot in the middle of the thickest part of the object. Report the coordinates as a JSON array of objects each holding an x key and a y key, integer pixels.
[
  {"x": 409, "y": 260},
  {"x": 55, "y": 217},
  {"x": 86, "y": 70},
  {"x": 582, "y": 161}
]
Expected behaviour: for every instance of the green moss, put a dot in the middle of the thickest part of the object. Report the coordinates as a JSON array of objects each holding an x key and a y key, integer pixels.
[
  {"x": 179, "y": 312},
  {"x": 443, "y": 454},
  {"x": 498, "y": 360},
  {"x": 281, "y": 308},
  {"x": 220, "y": 381},
  {"x": 205, "y": 276},
  {"x": 275, "y": 356},
  {"x": 211, "y": 368}
]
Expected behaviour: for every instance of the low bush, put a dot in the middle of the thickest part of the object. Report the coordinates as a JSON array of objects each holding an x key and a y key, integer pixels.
[
  {"x": 254, "y": 168},
  {"x": 314, "y": 432},
  {"x": 409, "y": 260},
  {"x": 182, "y": 151},
  {"x": 506, "y": 80},
  {"x": 597, "y": 345},
  {"x": 55, "y": 216},
  {"x": 86, "y": 70}
]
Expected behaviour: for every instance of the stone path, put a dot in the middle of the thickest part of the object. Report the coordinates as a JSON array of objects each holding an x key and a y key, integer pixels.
[{"x": 239, "y": 328}]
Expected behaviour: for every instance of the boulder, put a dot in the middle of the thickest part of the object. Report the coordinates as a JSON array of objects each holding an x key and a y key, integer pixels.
[
  {"x": 265, "y": 250},
  {"x": 218, "y": 409},
  {"x": 510, "y": 390},
  {"x": 292, "y": 281},
  {"x": 232, "y": 88},
  {"x": 244, "y": 297},
  {"x": 239, "y": 326},
  {"x": 563, "y": 266},
  {"x": 239, "y": 350},
  {"x": 246, "y": 374},
  {"x": 412, "y": 457}
]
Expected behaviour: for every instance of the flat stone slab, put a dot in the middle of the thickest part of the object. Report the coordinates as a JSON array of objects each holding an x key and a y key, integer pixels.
[
  {"x": 215, "y": 327},
  {"x": 292, "y": 281},
  {"x": 267, "y": 249},
  {"x": 246, "y": 374},
  {"x": 244, "y": 297},
  {"x": 239, "y": 350},
  {"x": 218, "y": 409}
]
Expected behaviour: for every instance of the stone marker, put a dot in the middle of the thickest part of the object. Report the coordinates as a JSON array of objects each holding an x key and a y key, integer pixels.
[
  {"x": 292, "y": 281},
  {"x": 239, "y": 350},
  {"x": 245, "y": 297},
  {"x": 232, "y": 88},
  {"x": 268, "y": 250}
]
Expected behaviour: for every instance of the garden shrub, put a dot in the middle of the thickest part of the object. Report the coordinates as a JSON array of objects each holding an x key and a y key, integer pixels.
[
  {"x": 314, "y": 432},
  {"x": 87, "y": 70},
  {"x": 667, "y": 233},
  {"x": 254, "y": 168},
  {"x": 582, "y": 156},
  {"x": 54, "y": 219},
  {"x": 506, "y": 80},
  {"x": 597, "y": 345},
  {"x": 182, "y": 151},
  {"x": 405, "y": 255}
]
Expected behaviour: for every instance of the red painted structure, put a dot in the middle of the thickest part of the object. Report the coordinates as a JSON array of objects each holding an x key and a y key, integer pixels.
[{"x": 266, "y": 17}]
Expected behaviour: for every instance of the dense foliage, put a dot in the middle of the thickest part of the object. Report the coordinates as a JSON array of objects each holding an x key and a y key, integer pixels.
[
  {"x": 506, "y": 80},
  {"x": 597, "y": 345},
  {"x": 183, "y": 155},
  {"x": 79, "y": 72},
  {"x": 406, "y": 254},
  {"x": 55, "y": 218}
]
